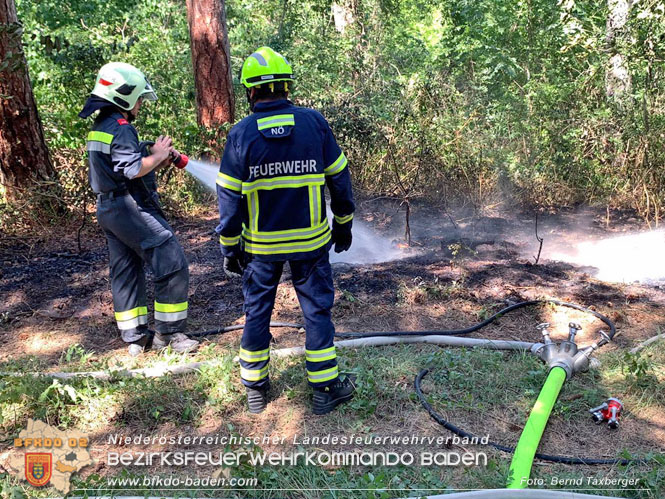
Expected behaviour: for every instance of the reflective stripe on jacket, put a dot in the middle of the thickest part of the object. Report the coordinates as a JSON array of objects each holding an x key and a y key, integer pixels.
[{"x": 114, "y": 155}]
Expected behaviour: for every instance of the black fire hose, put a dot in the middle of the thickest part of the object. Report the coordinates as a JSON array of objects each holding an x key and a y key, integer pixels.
[
  {"x": 235, "y": 327},
  {"x": 448, "y": 332},
  {"x": 504, "y": 448},
  {"x": 453, "y": 332},
  {"x": 499, "y": 314}
]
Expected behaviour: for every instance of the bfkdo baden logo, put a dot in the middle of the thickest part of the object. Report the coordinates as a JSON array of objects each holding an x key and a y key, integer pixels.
[
  {"x": 38, "y": 468},
  {"x": 44, "y": 455}
]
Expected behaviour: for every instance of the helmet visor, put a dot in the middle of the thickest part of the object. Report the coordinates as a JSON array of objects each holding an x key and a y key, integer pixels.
[{"x": 149, "y": 93}]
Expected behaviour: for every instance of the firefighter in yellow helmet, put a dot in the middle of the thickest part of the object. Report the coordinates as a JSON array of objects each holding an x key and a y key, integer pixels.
[{"x": 276, "y": 165}]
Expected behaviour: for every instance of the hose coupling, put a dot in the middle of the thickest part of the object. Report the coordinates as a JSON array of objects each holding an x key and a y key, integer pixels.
[
  {"x": 582, "y": 358},
  {"x": 563, "y": 363},
  {"x": 604, "y": 339},
  {"x": 597, "y": 413},
  {"x": 609, "y": 411}
]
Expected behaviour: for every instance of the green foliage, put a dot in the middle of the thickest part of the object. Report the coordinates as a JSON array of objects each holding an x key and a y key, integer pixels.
[
  {"x": 638, "y": 370},
  {"x": 218, "y": 383},
  {"x": 465, "y": 100},
  {"x": 461, "y": 100},
  {"x": 76, "y": 353},
  {"x": 66, "y": 44}
]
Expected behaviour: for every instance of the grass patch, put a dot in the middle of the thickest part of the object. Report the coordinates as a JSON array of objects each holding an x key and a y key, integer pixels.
[{"x": 482, "y": 391}]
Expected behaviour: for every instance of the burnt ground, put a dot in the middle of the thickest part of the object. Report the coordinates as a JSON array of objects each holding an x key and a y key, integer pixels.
[
  {"x": 458, "y": 271},
  {"x": 53, "y": 296}
]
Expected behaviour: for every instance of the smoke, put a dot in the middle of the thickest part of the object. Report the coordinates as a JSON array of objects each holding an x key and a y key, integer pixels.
[
  {"x": 368, "y": 246},
  {"x": 575, "y": 238},
  {"x": 616, "y": 252},
  {"x": 625, "y": 258}
]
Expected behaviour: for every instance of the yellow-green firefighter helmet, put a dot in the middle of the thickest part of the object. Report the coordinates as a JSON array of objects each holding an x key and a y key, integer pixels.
[{"x": 265, "y": 66}]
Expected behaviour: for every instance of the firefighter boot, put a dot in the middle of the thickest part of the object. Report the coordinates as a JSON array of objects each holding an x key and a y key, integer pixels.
[
  {"x": 257, "y": 398},
  {"x": 327, "y": 398},
  {"x": 137, "y": 347},
  {"x": 179, "y": 342}
]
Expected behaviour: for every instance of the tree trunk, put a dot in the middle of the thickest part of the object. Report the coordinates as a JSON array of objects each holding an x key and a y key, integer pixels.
[
  {"x": 618, "y": 82},
  {"x": 211, "y": 57},
  {"x": 24, "y": 157}
]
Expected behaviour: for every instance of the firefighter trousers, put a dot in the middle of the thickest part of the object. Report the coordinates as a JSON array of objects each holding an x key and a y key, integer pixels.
[
  {"x": 137, "y": 233},
  {"x": 313, "y": 283}
]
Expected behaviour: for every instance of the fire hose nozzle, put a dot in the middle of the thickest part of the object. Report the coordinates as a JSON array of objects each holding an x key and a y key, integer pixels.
[{"x": 179, "y": 160}]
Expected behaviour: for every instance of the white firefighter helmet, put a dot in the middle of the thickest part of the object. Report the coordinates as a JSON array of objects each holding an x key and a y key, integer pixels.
[{"x": 122, "y": 84}]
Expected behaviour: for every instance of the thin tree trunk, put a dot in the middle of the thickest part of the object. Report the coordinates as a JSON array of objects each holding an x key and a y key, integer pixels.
[
  {"x": 618, "y": 82},
  {"x": 24, "y": 157},
  {"x": 211, "y": 58}
]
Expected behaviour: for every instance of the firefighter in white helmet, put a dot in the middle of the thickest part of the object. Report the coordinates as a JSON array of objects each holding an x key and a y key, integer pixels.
[{"x": 122, "y": 174}]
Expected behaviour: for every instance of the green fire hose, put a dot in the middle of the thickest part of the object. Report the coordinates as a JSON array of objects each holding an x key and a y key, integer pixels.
[{"x": 520, "y": 467}]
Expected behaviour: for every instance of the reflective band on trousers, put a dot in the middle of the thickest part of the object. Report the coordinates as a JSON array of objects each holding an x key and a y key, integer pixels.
[
  {"x": 224, "y": 180},
  {"x": 321, "y": 376},
  {"x": 130, "y": 319},
  {"x": 275, "y": 121},
  {"x": 343, "y": 220},
  {"x": 170, "y": 312},
  {"x": 142, "y": 320},
  {"x": 281, "y": 182},
  {"x": 254, "y": 374},
  {"x": 254, "y": 356},
  {"x": 320, "y": 355},
  {"x": 295, "y": 247},
  {"x": 285, "y": 235},
  {"x": 337, "y": 166}
]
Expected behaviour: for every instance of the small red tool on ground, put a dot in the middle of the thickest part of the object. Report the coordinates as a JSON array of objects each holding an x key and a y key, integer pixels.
[{"x": 609, "y": 411}]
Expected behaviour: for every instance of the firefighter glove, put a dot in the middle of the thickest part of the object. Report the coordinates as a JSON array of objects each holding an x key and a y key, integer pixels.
[
  {"x": 233, "y": 267},
  {"x": 341, "y": 236}
]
